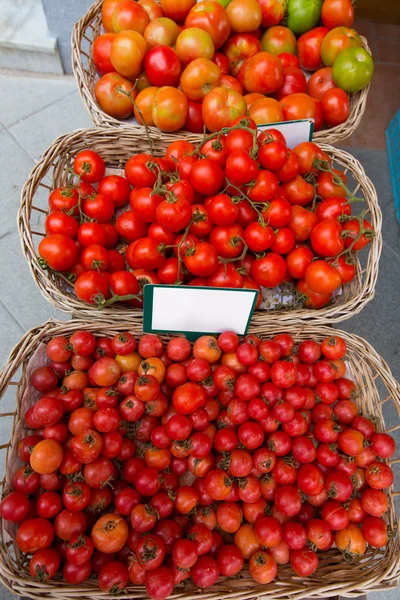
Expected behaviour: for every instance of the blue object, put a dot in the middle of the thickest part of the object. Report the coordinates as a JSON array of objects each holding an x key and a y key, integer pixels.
[{"x": 393, "y": 149}]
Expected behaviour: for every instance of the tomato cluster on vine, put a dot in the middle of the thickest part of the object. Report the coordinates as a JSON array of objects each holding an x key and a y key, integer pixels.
[
  {"x": 152, "y": 464},
  {"x": 240, "y": 210}
]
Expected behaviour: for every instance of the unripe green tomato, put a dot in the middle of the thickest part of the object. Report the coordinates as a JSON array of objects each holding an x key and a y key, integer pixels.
[
  {"x": 353, "y": 69},
  {"x": 303, "y": 15}
]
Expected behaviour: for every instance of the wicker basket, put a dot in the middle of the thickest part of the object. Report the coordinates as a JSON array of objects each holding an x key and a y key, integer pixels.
[
  {"x": 116, "y": 146},
  {"x": 378, "y": 569},
  {"x": 88, "y": 28}
]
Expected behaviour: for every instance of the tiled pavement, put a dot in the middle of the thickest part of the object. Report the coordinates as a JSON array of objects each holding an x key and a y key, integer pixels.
[{"x": 35, "y": 110}]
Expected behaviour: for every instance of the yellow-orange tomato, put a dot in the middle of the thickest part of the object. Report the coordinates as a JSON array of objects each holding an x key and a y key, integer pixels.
[
  {"x": 130, "y": 15},
  {"x": 272, "y": 11},
  {"x": 110, "y": 533},
  {"x": 144, "y": 102},
  {"x": 46, "y": 457},
  {"x": 178, "y": 11},
  {"x": 129, "y": 362},
  {"x": 170, "y": 109},
  {"x": 107, "y": 12},
  {"x": 244, "y": 15},
  {"x": 251, "y": 98},
  {"x": 350, "y": 540},
  {"x": 127, "y": 53},
  {"x": 153, "y": 366},
  {"x": 278, "y": 39},
  {"x": 199, "y": 78},
  {"x": 109, "y": 94},
  {"x": 221, "y": 107},
  {"x": 161, "y": 31},
  {"x": 231, "y": 360},
  {"x": 194, "y": 43},
  {"x": 152, "y": 8},
  {"x": 246, "y": 540},
  {"x": 77, "y": 380},
  {"x": 266, "y": 110},
  {"x": 206, "y": 347}
]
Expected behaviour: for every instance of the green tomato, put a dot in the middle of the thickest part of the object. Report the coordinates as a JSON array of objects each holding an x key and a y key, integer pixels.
[
  {"x": 303, "y": 15},
  {"x": 353, "y": 69},
  {"x": 224, "y": 3}
]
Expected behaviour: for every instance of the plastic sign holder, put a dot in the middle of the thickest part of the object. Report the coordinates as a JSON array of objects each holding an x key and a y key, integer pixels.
[
  {"x": 295, "y": 132},
  {"x": 194, "y": 310}
]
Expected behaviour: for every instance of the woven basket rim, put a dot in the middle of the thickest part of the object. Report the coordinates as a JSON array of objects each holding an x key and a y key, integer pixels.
[
  {"x": 126, "y": 139},
  {"x": 375, "y": 577},
  {"x": 84, "y": 28}
]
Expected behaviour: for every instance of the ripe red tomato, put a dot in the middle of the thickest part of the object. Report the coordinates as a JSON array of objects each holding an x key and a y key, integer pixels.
[{"x": 269, "y": 271}]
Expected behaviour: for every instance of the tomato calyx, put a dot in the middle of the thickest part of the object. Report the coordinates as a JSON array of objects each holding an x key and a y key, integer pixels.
[
  {"x": 148, "y": 553},
  {"x": 76, "y": 492},
  {"x": 69, "y": 278},
  {"x": 79, "y": 542},
  {"x": 89, "y": 440},
  {"x": 110, "y": 525},
  {"x": 41, "y": 574},
  {"x": 78, "y": 476},
  {"x": 225, "y": 461}
]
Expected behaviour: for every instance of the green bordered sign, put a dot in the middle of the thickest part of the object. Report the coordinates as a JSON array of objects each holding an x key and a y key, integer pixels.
[
  {"x": 195, "y": 310},
  {"x": 295, "y": 132}
]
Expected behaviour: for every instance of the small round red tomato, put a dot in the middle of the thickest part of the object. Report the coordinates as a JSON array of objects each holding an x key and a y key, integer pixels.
[
  {"x": 59, "y": 251},
  {"x": 207, "y": 177},
  {"x": 322, "y": 278},
  {"x": 262, "y": 567},
  {"x": 269, "y": 271},
  {"x": 89, "y": 165},
  {"x": 34, "y": 534}
]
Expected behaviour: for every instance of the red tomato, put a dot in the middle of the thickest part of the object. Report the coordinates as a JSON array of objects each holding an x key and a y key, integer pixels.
[{"x": 309, "y": 48}]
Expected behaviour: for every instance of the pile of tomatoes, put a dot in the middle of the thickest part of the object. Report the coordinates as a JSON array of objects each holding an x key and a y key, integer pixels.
[
  {"x": 152, "y": 463},
  {"x": 191, "y": 65},
  {"x": 240, "y": 210}
]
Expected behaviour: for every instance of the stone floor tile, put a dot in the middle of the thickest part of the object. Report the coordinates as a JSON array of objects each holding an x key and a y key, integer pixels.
[
  {"x": 11, "y": 333},
  {"x": 39, "y": 131},
  {"x": 21, "y": 296},
  {"x": 15, "y": 165},
  {"x": 23, "y": 95},
  {"x": 6, "y": 595}
]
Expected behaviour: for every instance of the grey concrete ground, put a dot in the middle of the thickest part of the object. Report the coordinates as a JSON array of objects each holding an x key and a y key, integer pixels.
[{"x": 33, "y": 112}]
